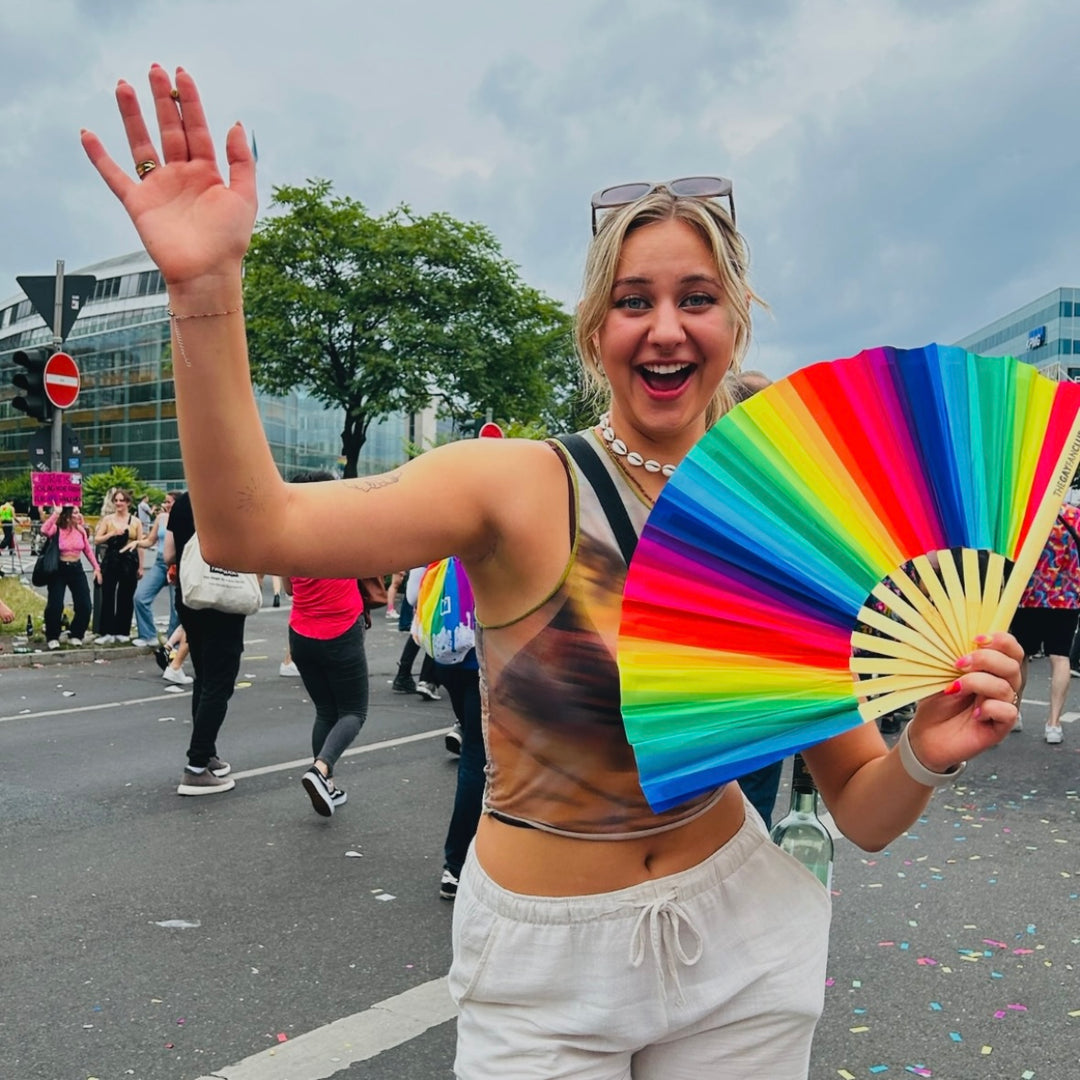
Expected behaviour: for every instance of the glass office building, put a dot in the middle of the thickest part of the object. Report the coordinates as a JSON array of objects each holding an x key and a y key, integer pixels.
[
  {"x": 126, "y": 410},
  {"x": 1045, "y": 332}
]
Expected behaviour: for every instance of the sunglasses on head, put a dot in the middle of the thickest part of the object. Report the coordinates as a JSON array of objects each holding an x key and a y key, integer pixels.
[{"x": 688, "y": 187}]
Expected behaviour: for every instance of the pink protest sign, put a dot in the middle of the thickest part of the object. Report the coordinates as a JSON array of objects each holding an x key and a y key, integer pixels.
[{"x": 56, "y": 489}]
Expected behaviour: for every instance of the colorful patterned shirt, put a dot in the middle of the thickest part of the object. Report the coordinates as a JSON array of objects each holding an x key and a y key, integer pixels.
[
  {"x": 558, "y": 757},
  {"x": 1056, "y": 581}
]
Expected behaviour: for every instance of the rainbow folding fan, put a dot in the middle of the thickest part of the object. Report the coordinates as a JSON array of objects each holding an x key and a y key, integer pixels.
[{"x": 826, "y": 553}]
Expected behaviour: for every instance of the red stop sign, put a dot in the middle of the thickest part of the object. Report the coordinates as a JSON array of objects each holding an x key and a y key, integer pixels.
[{"x": 61, "y": 380}]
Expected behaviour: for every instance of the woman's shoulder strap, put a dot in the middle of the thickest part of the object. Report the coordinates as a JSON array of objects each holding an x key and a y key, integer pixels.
[{"x": 592, "y": 468}]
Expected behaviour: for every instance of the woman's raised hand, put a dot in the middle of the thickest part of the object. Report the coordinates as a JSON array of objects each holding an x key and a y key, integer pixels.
[{"x": 194, "y": 226}]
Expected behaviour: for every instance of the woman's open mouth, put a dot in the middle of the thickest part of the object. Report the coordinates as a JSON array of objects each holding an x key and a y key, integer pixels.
[{"x": 664, "y": 378}]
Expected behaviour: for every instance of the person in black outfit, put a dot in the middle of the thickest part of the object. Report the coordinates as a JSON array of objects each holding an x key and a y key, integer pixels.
[{"x": 216, "y": 643}]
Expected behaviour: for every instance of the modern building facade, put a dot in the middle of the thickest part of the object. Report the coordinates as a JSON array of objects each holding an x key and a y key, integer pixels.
[
  {"x": 1045, "y": 332},
  {"x": 126, "y": 410}
]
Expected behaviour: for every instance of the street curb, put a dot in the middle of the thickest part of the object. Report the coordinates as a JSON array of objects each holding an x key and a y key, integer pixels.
[{"x": 86, "y": 655}]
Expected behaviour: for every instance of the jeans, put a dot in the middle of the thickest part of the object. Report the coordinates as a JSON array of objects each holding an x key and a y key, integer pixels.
[
  {"x": 463, "y": 686},
  {"x": 69, "y": 576},
  {"x": 335, "y": 674},
  {"x": 118, "y": 580},
  {"x": 153, "y": 581},
  {"x": 216, "y": 643}
]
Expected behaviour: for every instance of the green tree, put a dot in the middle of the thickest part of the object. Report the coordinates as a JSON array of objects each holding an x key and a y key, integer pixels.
[
  {"x": 379, "y": 314},
  {"x": 95, "y": 488}
]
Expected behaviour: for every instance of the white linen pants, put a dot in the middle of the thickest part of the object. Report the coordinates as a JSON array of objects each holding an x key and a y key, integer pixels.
[{"x": 717, "y": 972}]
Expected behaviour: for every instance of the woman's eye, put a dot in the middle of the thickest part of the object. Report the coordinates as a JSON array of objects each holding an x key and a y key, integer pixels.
[
  {"x": 699, "y": 300},
  {"x": 634, "y": 303}
]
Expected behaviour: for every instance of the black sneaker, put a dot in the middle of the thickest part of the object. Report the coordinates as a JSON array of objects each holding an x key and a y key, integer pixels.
[
  {"x": 452, "y": 741},
  {"x": 277, "y": 599},
  {"x": 448, "y": 886},
  {"x": 161, "y": 655},
  {"x": 403, "y": 684},
  {"x": 338, "y": 797},
  {"x": 319, "y": 791}
]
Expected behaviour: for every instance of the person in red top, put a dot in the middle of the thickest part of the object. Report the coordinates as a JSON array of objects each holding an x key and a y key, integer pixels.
[
  {"x": 326, "y": 640},
  {"x": 74, "y": 543},
  {"x": 1049, "y": 610}
]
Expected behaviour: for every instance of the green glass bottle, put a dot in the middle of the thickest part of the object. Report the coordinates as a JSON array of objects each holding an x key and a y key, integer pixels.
[{"x": 800, "y": 832}]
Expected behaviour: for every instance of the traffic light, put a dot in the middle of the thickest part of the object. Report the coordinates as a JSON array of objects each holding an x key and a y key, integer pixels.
[{"x": 32, "y": 400}]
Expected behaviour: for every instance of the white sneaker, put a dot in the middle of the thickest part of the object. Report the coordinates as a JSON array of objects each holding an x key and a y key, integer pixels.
[
  {"x": 105, "y": 639},
  {"x": 177, "y": 675},
  {"x": 140, "y": 643},
  {"x": 289, "y": 670},
  {"x": 54, "y": 644},
  {"x": 1053, "y": 734},
  {"x": 428, "y": 691},
  {"x": 76, "y": 641},
  {"x": 122, "y": 639}
]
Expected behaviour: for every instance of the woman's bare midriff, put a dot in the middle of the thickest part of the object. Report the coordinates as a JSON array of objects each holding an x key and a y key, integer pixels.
[{"x": 537, "y": 863}]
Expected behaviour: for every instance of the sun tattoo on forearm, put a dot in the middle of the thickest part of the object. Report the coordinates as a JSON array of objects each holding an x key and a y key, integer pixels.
[{"x": 373, "y": 483}]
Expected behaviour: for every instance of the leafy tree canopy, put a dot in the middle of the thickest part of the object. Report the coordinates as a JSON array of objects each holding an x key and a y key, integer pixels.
[
  {"x": 381, "y": 314},
  {"x": 96, "y": 487}
]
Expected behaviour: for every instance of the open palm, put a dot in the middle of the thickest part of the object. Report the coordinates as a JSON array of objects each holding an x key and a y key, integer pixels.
[{"x": 192, "y": 224}]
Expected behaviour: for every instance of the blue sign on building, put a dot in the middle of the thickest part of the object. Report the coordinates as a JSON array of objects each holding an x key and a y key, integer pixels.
[{"x": 1037, "y": 337}]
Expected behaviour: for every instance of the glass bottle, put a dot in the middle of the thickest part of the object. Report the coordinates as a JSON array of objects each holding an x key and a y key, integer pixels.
[
  {"x": 800, "y": 832},
  {"x": 29, "y": 627}
]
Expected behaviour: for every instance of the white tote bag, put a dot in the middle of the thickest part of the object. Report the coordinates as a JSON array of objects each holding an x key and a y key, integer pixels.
[{"x": 205, "y": 586}]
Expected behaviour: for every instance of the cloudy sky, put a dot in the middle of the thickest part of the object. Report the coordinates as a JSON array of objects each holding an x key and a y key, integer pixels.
[{"x": 905, "y": 170}]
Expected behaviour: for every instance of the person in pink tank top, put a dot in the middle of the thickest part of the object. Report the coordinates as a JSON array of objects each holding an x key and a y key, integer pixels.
[{"x": 74, "y": 542}]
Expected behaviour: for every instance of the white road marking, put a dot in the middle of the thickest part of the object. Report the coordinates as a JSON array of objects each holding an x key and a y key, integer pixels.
[
  {"x": 304, "y": 762},
  {"x": 325, "y": 1051},
  {"x": 85, "y": 708}
]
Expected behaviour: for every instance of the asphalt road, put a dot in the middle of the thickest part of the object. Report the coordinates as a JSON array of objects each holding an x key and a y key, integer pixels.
[{"x": 242, "y": 936}]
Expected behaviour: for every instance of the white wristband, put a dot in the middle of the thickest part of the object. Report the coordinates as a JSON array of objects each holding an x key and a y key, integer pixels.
[{"x": 918, "y": 771}]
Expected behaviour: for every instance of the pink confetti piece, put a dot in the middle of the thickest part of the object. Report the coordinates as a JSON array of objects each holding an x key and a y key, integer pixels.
[
  {"x": 918, "y": 1070},
  {"x": 830, "y": 981},
  {"x": 1017, "y": 1007},
  {"x": 282, "y": 1037},
  {"x": 886, "y": 944},
  {"x": 1022, "y": 952},
  {"x": 999, "y": 1014},
  {"x": 996, "y": 944},
  {"x": 926, "y": 961}
]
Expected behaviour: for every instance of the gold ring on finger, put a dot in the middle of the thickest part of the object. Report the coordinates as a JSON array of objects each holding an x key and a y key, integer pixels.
[
  {"x": 174, "y": 94},
  {"x": 143, "y": 168}
]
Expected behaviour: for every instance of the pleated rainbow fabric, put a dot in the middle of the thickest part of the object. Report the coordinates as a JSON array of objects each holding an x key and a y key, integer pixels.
[
  {"x": 445, "y": 612},
  {"x": 829, "y": 549}
]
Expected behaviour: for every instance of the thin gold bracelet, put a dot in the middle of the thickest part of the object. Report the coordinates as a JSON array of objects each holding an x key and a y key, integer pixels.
[{"x": 196, "y": 315}]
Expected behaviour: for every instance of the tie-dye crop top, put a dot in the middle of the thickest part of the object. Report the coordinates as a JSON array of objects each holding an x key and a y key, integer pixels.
[{"x": 558, "y": 758}]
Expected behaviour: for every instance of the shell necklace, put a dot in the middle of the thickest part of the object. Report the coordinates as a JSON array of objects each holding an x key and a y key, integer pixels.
[{"x": 631, "y": 457}]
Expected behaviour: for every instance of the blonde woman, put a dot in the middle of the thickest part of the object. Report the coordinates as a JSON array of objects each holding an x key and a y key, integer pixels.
[{"x": 592, "y": 936}]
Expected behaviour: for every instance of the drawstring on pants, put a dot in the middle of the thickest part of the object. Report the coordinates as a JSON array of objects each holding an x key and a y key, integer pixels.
[{"x": 659, "y": 924}]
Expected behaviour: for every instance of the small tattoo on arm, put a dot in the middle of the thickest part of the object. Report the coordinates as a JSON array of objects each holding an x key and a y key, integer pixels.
[
  {"x": 373, "y": 483},
  {"x": 250, "y": 497}
]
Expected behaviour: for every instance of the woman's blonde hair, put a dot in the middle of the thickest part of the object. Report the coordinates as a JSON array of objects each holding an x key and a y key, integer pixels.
[{"x": 711, "y": 222}]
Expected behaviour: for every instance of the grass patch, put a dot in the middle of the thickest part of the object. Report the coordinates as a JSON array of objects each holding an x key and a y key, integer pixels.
[{"x": 23, "y": 601}]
